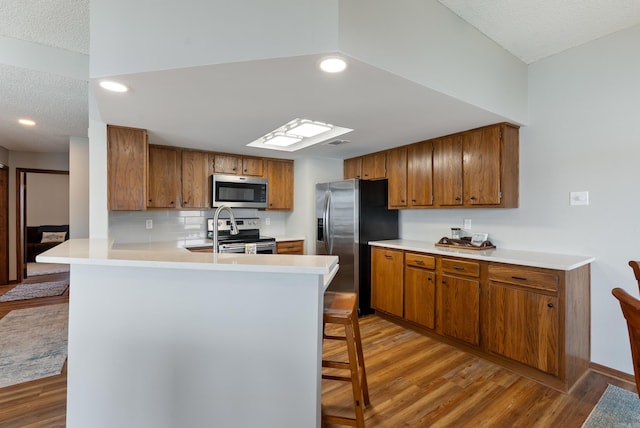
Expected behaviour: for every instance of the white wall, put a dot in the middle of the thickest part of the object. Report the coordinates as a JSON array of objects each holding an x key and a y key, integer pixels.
[
  {"x": 583, "y": 135},
  {"x": 47, "y": 199},
  {"x": 426, "y": 43},
  {"x": 79, "y": 187},
  {"x": 169, "y": 34}
]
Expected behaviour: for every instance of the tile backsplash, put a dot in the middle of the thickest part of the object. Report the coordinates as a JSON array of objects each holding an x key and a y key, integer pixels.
[{"x": 183, "y": 227}]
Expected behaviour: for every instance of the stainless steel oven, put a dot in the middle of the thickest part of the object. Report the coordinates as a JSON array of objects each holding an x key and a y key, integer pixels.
[{"x": 248, "y": 233}]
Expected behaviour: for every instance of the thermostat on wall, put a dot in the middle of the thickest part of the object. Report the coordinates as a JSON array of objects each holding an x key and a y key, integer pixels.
[{"x": 478, "y": 238}]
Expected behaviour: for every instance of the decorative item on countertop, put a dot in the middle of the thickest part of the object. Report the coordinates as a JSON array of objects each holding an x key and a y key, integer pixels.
[
  {"x": 250, "y": 248},
  {"x": 455, "y": 233},
  {"x": 464, "y": 243}
]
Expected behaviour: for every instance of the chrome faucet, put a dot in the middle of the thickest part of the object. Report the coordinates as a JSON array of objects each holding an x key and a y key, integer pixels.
[{"x": 234, "y": 226}]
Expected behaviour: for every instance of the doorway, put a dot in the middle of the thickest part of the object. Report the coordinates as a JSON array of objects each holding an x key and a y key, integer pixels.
[{"x": 42, "y": 198}]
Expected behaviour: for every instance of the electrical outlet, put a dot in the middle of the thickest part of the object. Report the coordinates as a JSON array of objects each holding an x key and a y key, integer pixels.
[
  {"x": 267, "y": 221},
  {"x": 579, "y": 198},
  {"x": 467, "y": 224},
  {"x": 149, "y": 224}
]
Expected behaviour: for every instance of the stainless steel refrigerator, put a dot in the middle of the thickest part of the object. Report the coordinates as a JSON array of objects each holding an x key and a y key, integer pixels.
[{"x": 349, "y": 214}]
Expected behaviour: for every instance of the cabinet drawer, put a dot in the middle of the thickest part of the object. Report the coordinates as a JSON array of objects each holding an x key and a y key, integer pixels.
[
  {"x": 290, "y": 247},
  {"x": 419, "y": 260},
  {"x": 461, "y": 268},
  {"x": 532, "y": 278}
]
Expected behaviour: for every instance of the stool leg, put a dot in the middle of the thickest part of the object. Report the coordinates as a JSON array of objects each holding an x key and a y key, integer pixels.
[
  {"x": 363, "y": 372},
  {"x": 355, "y": 377}
]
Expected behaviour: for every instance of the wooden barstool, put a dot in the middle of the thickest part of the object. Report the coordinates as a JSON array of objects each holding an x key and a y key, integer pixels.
[{"x": 340, "y": 308}]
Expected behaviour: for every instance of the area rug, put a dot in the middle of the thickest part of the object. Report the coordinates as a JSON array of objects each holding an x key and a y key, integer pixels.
[
  {"x": 34, "y": 269},
  {"x": 34, "y": 343},
  {"x": 35, "y": 290},
  {"x": 617, "y": 408}
]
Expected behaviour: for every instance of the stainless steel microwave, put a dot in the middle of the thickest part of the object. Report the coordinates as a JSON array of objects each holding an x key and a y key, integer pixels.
[{"x": 239, "y": 192}]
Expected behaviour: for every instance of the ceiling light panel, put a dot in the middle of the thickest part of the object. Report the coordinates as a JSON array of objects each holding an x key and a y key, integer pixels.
[{"x": 298, "y": 134}]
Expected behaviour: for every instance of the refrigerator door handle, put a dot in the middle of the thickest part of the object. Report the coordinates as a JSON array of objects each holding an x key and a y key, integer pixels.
[{"x": 325, "y": 222}]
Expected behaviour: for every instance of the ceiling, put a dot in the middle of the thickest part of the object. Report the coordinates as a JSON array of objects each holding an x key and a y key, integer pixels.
[{"x": 224, "y": 107}]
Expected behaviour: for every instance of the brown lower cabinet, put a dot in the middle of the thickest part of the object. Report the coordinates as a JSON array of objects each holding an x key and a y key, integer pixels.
[{"x": 532, "y": 320}]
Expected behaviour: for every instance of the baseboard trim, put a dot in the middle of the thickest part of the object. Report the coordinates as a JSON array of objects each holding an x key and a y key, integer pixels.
[{"x": 617, "y": 374}]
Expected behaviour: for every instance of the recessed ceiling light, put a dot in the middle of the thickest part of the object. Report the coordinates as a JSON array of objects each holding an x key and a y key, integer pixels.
[
  {"x": 26, "y": 122},
  {"x": 282, "y": 140},
  {"x": 113, "y": 86},
  {"x": 333, "y": 65}
]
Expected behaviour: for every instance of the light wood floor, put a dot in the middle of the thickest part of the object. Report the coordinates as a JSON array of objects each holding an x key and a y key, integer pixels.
[{"x": 414, "y": 381}]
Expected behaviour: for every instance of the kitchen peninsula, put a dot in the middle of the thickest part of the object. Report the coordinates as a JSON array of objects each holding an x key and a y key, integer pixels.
[{"x": 162, "y": 337}]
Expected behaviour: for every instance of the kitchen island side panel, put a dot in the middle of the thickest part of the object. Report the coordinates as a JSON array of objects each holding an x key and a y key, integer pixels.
[{"x": 162, "y": 348}]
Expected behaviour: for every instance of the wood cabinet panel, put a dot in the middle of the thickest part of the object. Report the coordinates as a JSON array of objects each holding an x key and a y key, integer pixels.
[
  {"x": 374, "y": 166},
  {"x": 447, "y": 171},
  {"x": 227, "y": 164},
  {"x": 420, "y": 174},
  {"x": 460, "y": 267},
  {"x": 397, "y": 176},
  {"x": 352, "y": 168},
  {"x": 523, "y": 326},
  {"x": 280, "y": 175},
  {"x": 481, "y": 166},
  {"x": 195, "y": 179},
  {"x": 460, "y": 308},
  {"x": 420, "y": 260},
  {"x": 387, "y": 280},
  {"x": 541, "y": 279},
  {"x": 290, "y": 247},
  {"x": 420, "y": 296},
  {"x": 163, "y": 177},
  {"x": 126, "y": 168},
  {"x": 252, "y": 166}
]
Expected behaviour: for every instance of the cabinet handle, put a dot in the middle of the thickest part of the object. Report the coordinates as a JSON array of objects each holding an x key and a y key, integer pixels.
[
  {"x": 418, "y": 262},
  {"x": 413, "y": 200},
  {"x": 473, "y": 198},
  {"x": 549, "y": 305},
  {"x": 458, "y": 268},
  {"x": 388, "y": 257},
  {"x": 402, "y": 200},
  {"x": 186, "y": 202},
  {"x": 519, "y": 278},
  {"x": 458, "y": 198},
  {"x": 444, "y": 282},
  {"x": 430, "y": 279}
]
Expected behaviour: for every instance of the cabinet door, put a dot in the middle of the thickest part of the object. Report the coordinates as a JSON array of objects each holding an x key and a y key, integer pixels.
[
  {"x": 481, "y": 166},
  {"x": 163, "y": 177},
  {"x": 126, "y": 168},
  {"x": 397, "y": 175},
  {"x": 195, "y": 179},
  {"x": 460, "y": 308},
  {"x": 420, "y": 174},
  {"x": 387, "y": 280},
  {"x": 352, "y": 168},
  {"x": 280, "y": 176},
  {"x": 374, "y": 166},
  {"x": 523, "y": 326},
  {"x": 252, "y": 166},
  {"x": 420, "y": 296},
  {"x": 447, "y": 171},
  {"x": 227, "y": 164}
]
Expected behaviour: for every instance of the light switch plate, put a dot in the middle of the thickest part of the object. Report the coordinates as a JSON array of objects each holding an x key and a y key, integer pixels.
[{"x": 579, "y": 198}]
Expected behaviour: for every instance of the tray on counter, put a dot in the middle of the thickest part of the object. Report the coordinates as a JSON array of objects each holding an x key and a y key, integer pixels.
[{"x": 464, "y": 244}]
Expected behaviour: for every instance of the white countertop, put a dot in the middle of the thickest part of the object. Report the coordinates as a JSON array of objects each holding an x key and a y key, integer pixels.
[
  {"x": 170, "y": 256},
  {"x": 525, "y": 258}
]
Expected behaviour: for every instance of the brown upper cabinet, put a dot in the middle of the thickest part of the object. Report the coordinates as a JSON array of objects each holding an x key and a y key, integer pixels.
[
  {"x": 352, "y": 168},
  {"x": 374, "y": 166},
  {"x": 471, "y": 169},
  {"x": 420, "y": 174},
  {"x": 195, "y": 179},
  {"x": 126, "y": 168},
  {"x": 164, "y": 177},
  {"x": 280, "y": 176},
  {"x": 397, "y": 175},
  {"x": 238, "y": 165}
]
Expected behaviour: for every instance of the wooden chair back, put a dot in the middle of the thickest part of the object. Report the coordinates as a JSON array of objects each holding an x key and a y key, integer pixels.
[
  {"x": 635, "y": 265},
  {"x": 631, "y": 311}
]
